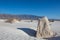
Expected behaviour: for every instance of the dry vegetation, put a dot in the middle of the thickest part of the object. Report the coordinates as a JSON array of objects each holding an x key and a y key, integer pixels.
[{"x": 12, "y": 20}]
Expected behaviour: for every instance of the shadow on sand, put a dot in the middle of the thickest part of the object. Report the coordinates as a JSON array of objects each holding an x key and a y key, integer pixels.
[
  {"x": 54, "y": 38},
  {"x": 29, "y": 31}
]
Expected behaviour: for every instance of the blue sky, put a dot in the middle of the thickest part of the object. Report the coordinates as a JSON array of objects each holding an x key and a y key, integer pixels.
[{"x": 49, "y": 8}]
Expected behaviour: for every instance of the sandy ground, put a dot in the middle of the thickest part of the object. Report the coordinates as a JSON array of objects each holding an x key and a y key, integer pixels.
[{"x": 25, "y": 30}]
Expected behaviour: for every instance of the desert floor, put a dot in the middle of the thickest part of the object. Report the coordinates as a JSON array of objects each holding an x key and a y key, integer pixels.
[{"x": 25, "y": 30}]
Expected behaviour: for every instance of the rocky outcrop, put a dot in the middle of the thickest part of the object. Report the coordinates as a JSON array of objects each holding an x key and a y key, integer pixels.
[{"x": 43, "y": 29}]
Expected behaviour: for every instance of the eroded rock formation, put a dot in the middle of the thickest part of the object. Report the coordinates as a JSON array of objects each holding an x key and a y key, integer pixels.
[{"x": 43, "y": 29}]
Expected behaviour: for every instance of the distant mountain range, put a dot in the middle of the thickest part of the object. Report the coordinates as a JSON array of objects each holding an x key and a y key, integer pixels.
[
  {"x": 5, "y": 16},
  {"x": 23, "y": 17}
]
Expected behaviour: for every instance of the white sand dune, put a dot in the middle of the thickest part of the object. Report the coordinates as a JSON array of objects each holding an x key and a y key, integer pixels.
[
  {"x": 11, "y": 34},
  {"x": 24, "y": 31}
]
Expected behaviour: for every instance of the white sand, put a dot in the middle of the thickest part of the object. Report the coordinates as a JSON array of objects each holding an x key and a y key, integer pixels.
[{"x": 24, "y": 31}]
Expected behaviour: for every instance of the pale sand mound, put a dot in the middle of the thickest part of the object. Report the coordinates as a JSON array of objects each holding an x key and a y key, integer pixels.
[{"x": 44, "y": 30}]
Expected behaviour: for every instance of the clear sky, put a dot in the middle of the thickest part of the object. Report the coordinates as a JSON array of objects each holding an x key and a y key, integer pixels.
[{"x": 49, "y": 8}]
